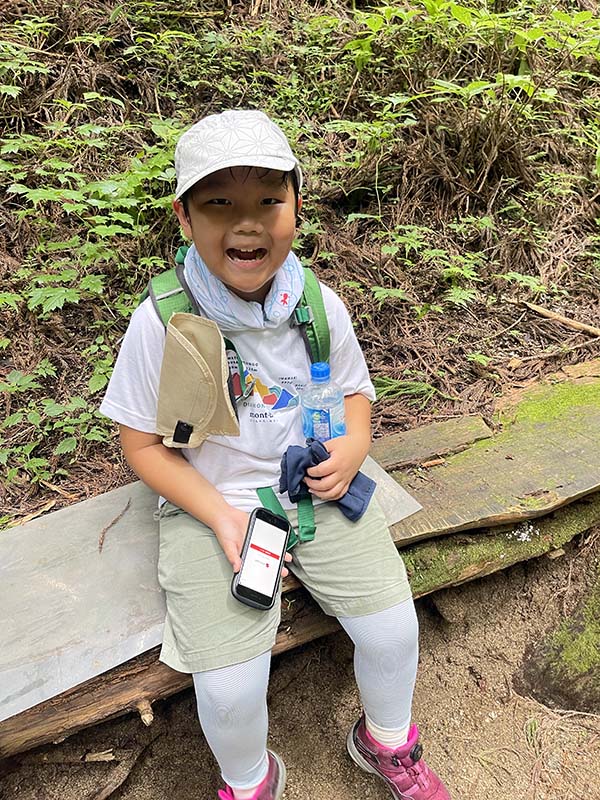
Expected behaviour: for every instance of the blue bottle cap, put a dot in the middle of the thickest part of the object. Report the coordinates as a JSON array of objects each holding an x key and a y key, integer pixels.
[{"x": 319, "y": 372}]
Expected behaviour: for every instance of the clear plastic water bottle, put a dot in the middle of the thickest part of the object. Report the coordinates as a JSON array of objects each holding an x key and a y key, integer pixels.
[{"x": 322, "y": 403}]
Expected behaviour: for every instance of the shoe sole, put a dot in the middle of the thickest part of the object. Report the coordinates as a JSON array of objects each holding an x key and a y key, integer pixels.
[
  {"x": 364, "y": 764},
  {"x": 282, "y": 776}
]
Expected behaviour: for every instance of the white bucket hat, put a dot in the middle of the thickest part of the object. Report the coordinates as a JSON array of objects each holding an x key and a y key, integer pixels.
[{"x": 232, "y": 139}]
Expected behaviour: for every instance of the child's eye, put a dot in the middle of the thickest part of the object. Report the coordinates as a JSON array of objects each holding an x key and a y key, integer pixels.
[
  {"x": 271, "y": 201},
  {"x": 218, "y": 201}
]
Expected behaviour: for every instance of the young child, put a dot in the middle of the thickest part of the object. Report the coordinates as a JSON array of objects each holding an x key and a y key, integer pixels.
[{"x": 237, "y": 199}]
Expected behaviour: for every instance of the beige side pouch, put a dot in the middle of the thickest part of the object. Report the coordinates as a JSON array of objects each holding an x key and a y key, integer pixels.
[{"x": 193, "y": 395}]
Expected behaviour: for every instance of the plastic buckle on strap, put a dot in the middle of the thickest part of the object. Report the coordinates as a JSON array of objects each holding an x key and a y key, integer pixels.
[{"x": 303, "y": 315}]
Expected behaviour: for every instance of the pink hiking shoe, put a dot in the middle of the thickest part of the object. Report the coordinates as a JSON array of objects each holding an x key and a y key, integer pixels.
[
  {"x": 271, "y": 788},
  {"x": 405, "y": 773}
]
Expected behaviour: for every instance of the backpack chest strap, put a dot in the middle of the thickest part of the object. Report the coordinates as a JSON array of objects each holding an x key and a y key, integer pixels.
[{"x": 306, "y": 515}]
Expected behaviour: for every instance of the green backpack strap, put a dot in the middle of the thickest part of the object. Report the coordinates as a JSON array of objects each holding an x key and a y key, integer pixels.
[
  {"x": 310, "y": 318},
  {"x": 170, "y": 294},
  {"x": 181, "y": 254},
  {"x": 169, "y": 291},
  {"x": 306, "y": 515}
]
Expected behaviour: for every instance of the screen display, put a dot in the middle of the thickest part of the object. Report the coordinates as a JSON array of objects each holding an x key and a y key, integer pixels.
[{"x": 264, "y": 554}]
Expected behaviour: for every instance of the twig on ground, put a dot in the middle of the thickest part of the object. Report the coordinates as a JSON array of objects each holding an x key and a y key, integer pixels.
[
  {"x": 59, "y": 490},
  {"x": 102, "y": 755},
  {"x": 349, "y": 95},
  {"x": 118, "y": 777},
  {"x": 553, "y": 712},
  {"x": 110, "y": 524},
  {"x": 569, "y": 323},
  {"x": 73, "y": 755},
  {"x": 504, "y": 330},
  {"x": 28, "y": 517},
  {"x": 561, "y": 351}
]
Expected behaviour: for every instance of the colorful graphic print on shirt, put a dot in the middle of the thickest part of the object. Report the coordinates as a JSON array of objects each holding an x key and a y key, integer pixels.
[{"x": 274, "y": 397}]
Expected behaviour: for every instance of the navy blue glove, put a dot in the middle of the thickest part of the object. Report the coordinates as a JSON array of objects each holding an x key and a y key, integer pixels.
[{"x": 297, "y": 460}]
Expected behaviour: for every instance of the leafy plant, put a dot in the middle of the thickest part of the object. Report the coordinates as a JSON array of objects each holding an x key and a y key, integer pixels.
[
  {"x": 460, "y": 296},
  {"x": 406, "y": 239},
  {"x": 528, "y": 281},
  {"x": 17, "y": 381},
  {"x": 67, "y": 425},
  {"x": 100, "y": 356},
  {"x": 419, "y": 393},
  {"x": 381, "y": 294},
  {"x": 479, "y": 358},
  {"x": 458, "y": 142}
]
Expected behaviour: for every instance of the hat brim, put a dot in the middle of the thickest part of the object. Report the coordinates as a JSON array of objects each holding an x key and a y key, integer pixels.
[{"x": 268, "y": 162}]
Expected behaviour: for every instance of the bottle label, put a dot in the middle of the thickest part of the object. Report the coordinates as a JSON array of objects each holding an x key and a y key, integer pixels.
[{"x": 323, "y": 424}]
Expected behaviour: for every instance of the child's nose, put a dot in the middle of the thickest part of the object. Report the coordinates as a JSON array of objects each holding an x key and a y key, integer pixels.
[{"x": 248, "y": 223}]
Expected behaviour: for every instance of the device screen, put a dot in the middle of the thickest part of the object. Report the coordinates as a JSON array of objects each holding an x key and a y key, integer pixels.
[{"x": 263, "y": 556}]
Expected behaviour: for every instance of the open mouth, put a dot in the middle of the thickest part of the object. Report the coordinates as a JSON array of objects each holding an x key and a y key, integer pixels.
[{"x": 246, "y": 255}]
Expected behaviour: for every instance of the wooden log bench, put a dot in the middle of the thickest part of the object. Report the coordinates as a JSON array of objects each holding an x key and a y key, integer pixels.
[{"x": 489, "y": 501}]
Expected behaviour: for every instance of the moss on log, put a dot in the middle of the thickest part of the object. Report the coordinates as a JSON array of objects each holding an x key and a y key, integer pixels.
[
  {"x": 544, "y": 457},
  {"x": 449, "y": 561}
]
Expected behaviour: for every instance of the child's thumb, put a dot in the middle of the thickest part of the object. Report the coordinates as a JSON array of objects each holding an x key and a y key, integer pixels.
[{"x": 231, "y": 552}]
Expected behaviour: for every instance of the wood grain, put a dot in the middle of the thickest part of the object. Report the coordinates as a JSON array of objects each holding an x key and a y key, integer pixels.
[{"x": 428, "y": 442}]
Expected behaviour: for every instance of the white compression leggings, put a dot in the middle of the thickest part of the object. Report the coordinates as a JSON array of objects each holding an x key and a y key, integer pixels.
[{"x": 232, "y": 701}]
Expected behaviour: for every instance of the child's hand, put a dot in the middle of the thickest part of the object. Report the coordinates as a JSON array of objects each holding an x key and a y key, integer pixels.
[
  {"x": 231, "y": 531},
  {"x": 338, "y": 471}
]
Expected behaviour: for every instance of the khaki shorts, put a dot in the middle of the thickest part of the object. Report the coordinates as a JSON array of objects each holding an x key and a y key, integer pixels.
[{"x": 350, "y": 568}]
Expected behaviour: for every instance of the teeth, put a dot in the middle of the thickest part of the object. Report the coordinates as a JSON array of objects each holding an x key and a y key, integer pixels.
[{"x": 247, "y": 253}]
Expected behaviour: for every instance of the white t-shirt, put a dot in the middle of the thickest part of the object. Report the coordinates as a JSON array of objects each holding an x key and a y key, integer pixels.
[{"x": 270, "y": 418}]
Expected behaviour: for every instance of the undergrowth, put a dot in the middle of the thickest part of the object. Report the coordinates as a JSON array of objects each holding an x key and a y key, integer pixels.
[{"x": 453, "y": 159}]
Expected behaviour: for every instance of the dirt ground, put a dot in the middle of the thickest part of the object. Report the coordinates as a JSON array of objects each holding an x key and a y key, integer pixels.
[{"x": 487, "y": 742}]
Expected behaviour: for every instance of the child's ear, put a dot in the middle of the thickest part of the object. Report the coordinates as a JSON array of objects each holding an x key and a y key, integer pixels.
[
  {"x": 298, "y": 206},
  {"x": 183, "y": 218}
]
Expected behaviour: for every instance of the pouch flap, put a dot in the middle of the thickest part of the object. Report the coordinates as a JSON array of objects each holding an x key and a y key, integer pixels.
[{"x": 193, "y": 397}]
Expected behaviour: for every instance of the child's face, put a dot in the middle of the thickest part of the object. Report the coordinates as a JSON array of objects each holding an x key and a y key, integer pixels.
[{"x": 242, "y": 222}]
